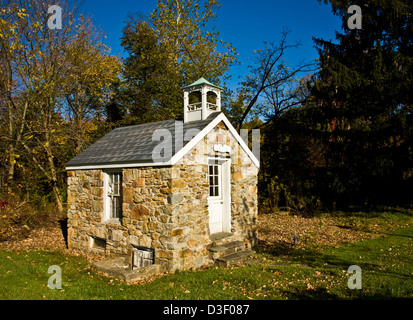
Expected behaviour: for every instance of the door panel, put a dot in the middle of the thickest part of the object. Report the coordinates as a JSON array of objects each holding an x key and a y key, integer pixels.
[
  {"x": 217, "y": 196},
  {"x": 215, "y": 215}
]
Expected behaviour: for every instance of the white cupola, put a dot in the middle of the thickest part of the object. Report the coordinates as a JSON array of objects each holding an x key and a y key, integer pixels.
[{"x": 200, "y": 100}]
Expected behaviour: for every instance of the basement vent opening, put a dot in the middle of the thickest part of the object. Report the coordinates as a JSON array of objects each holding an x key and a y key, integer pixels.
[
  {"x": 98, "y": 243},
  {"x": 142, "y": 257}
]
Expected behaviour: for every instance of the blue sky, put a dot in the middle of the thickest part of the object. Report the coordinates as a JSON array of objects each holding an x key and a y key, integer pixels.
[{"x": 244, "y": 23}]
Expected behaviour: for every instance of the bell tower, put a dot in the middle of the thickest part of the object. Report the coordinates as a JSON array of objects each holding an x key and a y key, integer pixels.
[{"x": 200, "y": 100}]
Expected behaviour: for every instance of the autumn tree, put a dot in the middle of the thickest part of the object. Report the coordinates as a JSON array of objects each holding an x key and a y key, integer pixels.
[
  {"x": 148, "y": 91},
  {"x": 14, "y": 102},
  {"x": 193, "y": 46},
  {"x": 89, "y": 72},
  {"x": 55, "y": 72},
  {"x": 175, "y": 46}
]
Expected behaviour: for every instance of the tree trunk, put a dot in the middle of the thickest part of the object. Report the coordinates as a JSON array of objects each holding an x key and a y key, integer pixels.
[
  {"x": 52, "y": 176},
  {"x": 10, "y": 173},
  {"x": 52, "y": 167},
  {"x": 14, "y": 143},
  {"x": 54, "y": 185}
]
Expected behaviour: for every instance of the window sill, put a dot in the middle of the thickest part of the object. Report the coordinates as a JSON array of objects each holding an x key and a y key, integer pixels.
[
  {"x": 116, "y": 223},
  {"x": 112, "y": 221}
]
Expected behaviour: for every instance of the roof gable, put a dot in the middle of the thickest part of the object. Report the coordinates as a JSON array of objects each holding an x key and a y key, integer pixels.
[
  {"x": 206, "y": 130},
  {"x": 133, "y": 146}
]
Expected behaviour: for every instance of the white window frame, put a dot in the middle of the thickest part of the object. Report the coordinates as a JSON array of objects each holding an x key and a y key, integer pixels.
[
  {"x": 219, "y": 166},
  {"x": 107, "y": 216}
]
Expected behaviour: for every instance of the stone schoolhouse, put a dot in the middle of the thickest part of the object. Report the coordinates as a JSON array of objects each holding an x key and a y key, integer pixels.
[{"x": 179, "y": 194}]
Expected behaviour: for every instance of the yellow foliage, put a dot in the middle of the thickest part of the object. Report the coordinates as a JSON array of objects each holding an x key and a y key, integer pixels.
[{"x": 21, "y": 14}]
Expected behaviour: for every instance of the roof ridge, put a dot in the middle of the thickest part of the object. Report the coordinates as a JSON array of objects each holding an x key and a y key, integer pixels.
[
  {"x": 210, "y": 118},
  {"x": 134, "y": 143},
  {"x": 145, "y": 123}
]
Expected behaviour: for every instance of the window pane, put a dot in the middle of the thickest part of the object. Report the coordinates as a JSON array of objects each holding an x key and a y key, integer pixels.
[
  {"x": 114, "y": 194},
  {"x": 215, "y": 169},
  {"x": 117, "y": 212},
  {"x": 216, "y": 191},
  {"x": 112, "y": 208},
  {"x": 216, "y": 180},
  {"x": 211, "y": 170},
  {"x": 211, "y": 191},
  {"x": 115, "y": 183},
  {"x": 211, "y": 180},
  {"x": 111, "y": 191},
  {"x": 116, "y": 207}
]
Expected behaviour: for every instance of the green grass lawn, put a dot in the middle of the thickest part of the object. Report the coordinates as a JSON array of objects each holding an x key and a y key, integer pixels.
[{"x": 303, "y": 273}]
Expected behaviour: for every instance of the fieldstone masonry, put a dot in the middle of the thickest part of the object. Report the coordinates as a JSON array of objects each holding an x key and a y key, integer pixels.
[{"x": 164, "y": 208}]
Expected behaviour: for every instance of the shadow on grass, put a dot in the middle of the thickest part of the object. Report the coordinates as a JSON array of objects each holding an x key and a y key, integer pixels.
[
  {"x": 308, "y": 256},
  {"x": 294, "y": 254},
  {"x": 322, "y": 294},
  {"x": 398, "y": 233},
  {"x": 315, "y": 294},
  {"x": 63, "y": 226}
]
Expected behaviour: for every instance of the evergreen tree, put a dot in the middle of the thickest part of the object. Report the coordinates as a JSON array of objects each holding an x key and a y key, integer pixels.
[{"x": 363, "y": 94}]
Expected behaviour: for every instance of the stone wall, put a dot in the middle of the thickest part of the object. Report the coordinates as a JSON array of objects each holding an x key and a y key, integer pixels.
[
  {"x": 164, "y": 208},
  {"x": 85, "y": 207},
  {"x": 244, "y": 179}
]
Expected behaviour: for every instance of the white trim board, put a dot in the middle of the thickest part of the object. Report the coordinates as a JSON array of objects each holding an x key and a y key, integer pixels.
[
  {"x": 191, "y": 144},
  {"x": 181, "y": 153},
  {"x": 119, "y": 165}
]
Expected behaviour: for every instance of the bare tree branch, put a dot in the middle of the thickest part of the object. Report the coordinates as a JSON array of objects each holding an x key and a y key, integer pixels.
[{"x": 271, "y": 73}]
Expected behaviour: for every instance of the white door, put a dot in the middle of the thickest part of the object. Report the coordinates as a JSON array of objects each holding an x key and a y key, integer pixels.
[{"x": 218, "y": 200}]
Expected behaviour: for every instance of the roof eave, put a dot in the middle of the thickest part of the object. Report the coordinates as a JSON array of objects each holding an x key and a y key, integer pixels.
[
  {"x": 177, "y": 156},
  {"x": 117, "y": 165},
  {"x": 202, "y": 81}
]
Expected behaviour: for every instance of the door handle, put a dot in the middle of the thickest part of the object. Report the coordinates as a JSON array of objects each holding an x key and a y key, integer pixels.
[{"x": 222, "y": 202}]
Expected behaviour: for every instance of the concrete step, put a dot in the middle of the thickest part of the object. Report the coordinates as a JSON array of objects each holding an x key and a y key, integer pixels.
[
  {"x": 120, "y": 268},
  {"x": 226, "y": 249},
  {"x": 227, "y": 260},
  {"x": 220, "y": 238}
]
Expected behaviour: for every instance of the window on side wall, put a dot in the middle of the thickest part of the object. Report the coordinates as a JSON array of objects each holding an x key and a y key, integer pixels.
[{"x": 113, "y": 197}]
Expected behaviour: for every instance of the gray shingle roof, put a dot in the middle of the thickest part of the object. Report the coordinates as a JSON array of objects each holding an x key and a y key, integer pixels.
[{"x": 134, "y": 143}]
